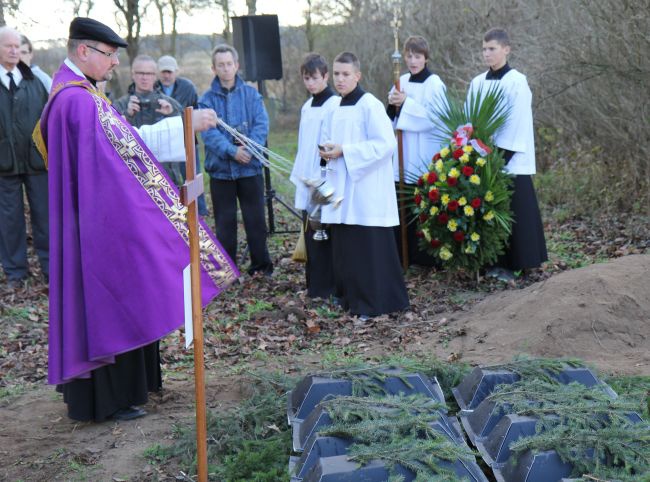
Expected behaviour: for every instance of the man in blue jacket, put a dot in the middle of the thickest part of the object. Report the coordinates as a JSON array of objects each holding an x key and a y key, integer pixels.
[{"x": 235, "y": 174}]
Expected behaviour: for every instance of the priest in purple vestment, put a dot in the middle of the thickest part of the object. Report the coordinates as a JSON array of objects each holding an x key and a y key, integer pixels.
[{"x": 118, "y": 237}]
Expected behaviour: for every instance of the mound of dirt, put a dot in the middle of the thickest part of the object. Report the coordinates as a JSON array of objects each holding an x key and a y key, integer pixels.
[{"x": 600, "y": 313}]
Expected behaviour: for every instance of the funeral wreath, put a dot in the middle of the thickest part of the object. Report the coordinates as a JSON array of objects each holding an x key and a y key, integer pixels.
[{"x": 462, "y": 204}]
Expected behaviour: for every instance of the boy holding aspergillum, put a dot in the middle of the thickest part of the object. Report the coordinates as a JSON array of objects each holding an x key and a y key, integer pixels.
[{"x": 359, "y": 143}]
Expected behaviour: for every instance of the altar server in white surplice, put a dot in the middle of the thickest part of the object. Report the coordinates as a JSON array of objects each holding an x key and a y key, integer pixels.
[
  {"x": 413, "y": 111},
  {"x": 359, "y": 143},
  {"x": 516, "y": 140},
  {"x": 309, "y": 165}
]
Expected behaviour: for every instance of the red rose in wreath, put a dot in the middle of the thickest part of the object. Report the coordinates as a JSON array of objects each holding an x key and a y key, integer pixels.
[
  {"x": 476, "y": 203},
  {"x": 468, "y": 170},
  {"x": 459, "y": 236},
  {"x": 452, "y": 205}
]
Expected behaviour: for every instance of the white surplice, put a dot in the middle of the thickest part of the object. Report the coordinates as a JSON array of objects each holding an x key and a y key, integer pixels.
[
  {"x": 363, "y": 176},
  {"x": 307, "y": 163},
  {"x": 517, "y": 133},
  {"x": 422, "y": 135}
]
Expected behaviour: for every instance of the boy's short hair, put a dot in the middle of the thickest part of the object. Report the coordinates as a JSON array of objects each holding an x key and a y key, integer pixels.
[
  {"x": 224, "y": 49},
  {"x": 348, "y": 58},
  {"x": 417, "y": 45},
  {"x": 313, "y": 62},
  {"x": 25, "y": 41},
  {"x": 499, "y": 35}
]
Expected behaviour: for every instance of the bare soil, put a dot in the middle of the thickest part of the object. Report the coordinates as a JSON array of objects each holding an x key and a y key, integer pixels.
[{"x": 600, "y": 313}]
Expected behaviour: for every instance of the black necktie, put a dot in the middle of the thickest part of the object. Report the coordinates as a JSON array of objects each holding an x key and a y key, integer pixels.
[{"x": 12, "y": 85}]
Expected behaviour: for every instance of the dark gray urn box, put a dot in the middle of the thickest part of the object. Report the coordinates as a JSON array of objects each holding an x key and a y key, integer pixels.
[
  {"x": 482, "y": 381},
  {"x": 534, "y": 467},
  {"x": 321, "y": 461},
  {"x": 313, "y": 389}
]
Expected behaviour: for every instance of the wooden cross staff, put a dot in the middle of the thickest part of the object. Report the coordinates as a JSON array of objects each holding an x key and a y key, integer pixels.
[
  {"x": 190, "y": 191},
  {"x": 397, "y": 60}
]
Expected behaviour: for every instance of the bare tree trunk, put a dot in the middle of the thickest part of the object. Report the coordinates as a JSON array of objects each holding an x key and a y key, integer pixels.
[
  {"x": 77, "y": 6},
  {"x": 252, "y": 6},
  {"x": 225, "y": 12},
  {"x": 309, "y": 28},
  {"x": 174, "y": 6},
  {"x": 8, "y": 7},
  {"x": 132, "y": 17},
  {"x": 160, "y": 6}
]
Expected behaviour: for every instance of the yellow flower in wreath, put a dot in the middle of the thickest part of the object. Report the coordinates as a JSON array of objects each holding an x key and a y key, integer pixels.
[
  {"x": 444, "y": 199},
  {"x": 469, "y": 211},
  {"x": 468, "y": 149},
  {"x": 489, "y": 216},
  {"x": 453, "y": 172},
  {"x": 427, "y": 234},
  {"x": 475, "y": 237},
  {"x": 452, "y": 225},
  {"x": 445, "y": 254},
  {"x": 464, "y": 159},
  {"x": 440, "y": 165},
  {"x": 489, "y": 196},
  {"x": 434, "y": 210},
  {"x": 474, "y": 179},
  {"x": 462, "y": 201},
  {"x": 444, "y": 153},
  {"x": 423, "y": 205},
  {"x": 480, "y": 162},
  {"x": 470, "y": 249}
]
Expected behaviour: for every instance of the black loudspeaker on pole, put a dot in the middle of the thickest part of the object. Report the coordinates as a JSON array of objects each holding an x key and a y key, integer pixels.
[{"x": 257, "y": 40}]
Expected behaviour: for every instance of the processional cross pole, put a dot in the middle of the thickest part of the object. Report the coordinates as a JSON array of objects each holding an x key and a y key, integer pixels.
[
  {"x": 397, "y": 62},
  {"x": 190, "y": 191}
]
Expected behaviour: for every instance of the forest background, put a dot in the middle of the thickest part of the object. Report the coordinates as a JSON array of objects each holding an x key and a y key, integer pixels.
[{"x": 586, "y": 61}]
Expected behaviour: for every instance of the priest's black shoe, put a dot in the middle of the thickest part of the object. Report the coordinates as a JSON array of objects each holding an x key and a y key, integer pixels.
[{"x": 129, "y": 414}]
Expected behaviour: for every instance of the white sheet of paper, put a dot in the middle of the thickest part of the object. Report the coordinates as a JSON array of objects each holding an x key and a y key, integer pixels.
[{"x": 187, "y": 297}]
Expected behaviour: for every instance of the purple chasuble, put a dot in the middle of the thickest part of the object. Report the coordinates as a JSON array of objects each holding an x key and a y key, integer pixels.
[{"x": 118, "y": 237}]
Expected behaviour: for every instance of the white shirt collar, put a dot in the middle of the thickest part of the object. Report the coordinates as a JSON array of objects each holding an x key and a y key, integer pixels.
[
  {"x": 74, "y": 68},
  {"x": 4, "y": 78}
]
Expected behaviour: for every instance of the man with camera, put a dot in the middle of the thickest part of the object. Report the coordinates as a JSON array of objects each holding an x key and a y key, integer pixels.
[{"x": 145, "y": 106}]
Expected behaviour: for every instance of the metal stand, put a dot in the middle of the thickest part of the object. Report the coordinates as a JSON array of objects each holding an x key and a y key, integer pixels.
[{"x": 269, "y": 192}]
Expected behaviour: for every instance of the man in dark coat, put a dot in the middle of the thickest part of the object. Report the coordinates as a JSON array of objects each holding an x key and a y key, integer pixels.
[
  {"x": 183, "y": 91},
  {"x": 22, "y": 98}
]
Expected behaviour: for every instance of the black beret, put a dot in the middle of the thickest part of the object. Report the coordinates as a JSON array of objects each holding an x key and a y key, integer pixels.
[{"x": 83, "y": 28}]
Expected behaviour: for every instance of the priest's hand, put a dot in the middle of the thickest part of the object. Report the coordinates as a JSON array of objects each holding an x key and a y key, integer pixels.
[
  {"x": 243, "y": 156},
  {"x": 165, "y": 107},
  {"x": 133, "y": 106},
  {"x": 396, "y": 97},
  {"x": 204, "y": 119},
  {"x": 329, "y": 151}
]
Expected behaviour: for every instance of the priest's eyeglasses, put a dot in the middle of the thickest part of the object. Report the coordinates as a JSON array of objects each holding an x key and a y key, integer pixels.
[{"x": 110, "y": 55}]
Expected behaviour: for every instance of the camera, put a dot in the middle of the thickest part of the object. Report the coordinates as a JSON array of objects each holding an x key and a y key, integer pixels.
[{"x": 144, "y": 103}]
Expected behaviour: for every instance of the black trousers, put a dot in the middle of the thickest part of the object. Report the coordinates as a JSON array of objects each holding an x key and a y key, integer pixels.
[
  {"x": 527, "y": 246},
  {"x": 319, "y": 269},
  {"x": 13, "y": 232},
  {"x": 367, "y": 272},
  {"x": 114, "y": 387},
  {"x": 250, "y": 193}
]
